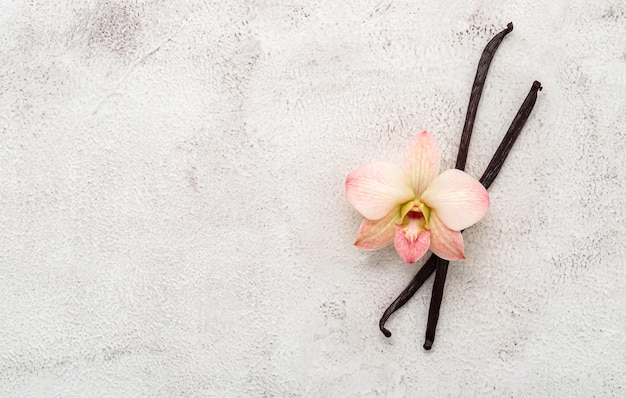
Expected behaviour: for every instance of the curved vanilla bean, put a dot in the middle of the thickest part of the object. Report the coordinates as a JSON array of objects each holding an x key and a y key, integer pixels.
[
  {"x": 477, "y": 90},
  {"x": 435, "y": 301},
  {"x": 490, "y": 174},
  {"x": 427, "y": 269},
  {"x": 461, "y": 159}
]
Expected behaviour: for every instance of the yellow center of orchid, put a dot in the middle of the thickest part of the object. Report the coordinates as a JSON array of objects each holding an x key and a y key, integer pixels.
[
  {"x": 414, "y": 206},
  {"x": 413, "y": 219}
]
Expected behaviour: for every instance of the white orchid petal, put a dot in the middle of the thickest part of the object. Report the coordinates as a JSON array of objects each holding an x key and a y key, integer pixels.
[
  {"x": 375, "y": 189},
  {"x": 444, "y": 242},
  {"x": 374, "y": 235},
  {"x": 457, "y": 198},
  {"x": 421, "y": 161}
]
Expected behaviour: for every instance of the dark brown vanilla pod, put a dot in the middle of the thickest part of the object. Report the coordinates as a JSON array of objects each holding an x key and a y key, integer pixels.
[
  {"x": 511, "y": 135},
  {"x": 461, "y": 160},
  {"x": 427, "y": 269},
  {"x": 477, "y": 90},
  {"x": 490, "y": 174},
  {"x": 435, "y": 302}
]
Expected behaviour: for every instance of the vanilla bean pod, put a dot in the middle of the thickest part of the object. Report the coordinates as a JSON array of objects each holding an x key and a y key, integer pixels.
[
  {"x": 477, "y": 89},
  {"x": 461, "y": 159},
  {"x": 490, "y": 174},
  {"x": 492, "y": 170}
]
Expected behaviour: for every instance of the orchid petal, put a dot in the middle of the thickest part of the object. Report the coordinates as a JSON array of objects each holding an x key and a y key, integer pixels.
[
  {"x": 375, "y": 189},
  {"x": 421, "y": 161},
  {"x": 374, "y": 235},
  {"x": 458, "y": 199},
  {"x": 444, "y": 242},
  {"x": 411, "y": 250}
]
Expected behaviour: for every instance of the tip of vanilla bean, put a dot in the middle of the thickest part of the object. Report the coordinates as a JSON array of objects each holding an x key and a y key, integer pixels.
[
  {"x": 509, "y": 27},
  {"x": 385, "y": 331},
  {"x": 537, "y": 85},
  {"x": 428, "y": 344}
]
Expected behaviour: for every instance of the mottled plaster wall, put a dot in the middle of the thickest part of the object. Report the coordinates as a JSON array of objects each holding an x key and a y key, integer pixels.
[{"x": 172, "y": 215}]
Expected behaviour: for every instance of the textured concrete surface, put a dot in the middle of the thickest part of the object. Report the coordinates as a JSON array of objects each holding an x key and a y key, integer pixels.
[{"x": 172, "y": 214}]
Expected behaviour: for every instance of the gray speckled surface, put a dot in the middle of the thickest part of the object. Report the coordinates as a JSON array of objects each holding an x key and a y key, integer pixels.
[{"x": 172, "y": 214}]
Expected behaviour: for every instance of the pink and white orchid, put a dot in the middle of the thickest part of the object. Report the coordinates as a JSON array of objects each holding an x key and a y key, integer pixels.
[{"x": 414, "y": 207}]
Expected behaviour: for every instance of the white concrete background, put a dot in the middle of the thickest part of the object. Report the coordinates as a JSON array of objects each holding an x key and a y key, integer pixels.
[{"x": 172, "y": 214}]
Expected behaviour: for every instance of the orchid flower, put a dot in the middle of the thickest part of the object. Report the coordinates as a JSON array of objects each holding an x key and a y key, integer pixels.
[{"x": 414, "y": 207}]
